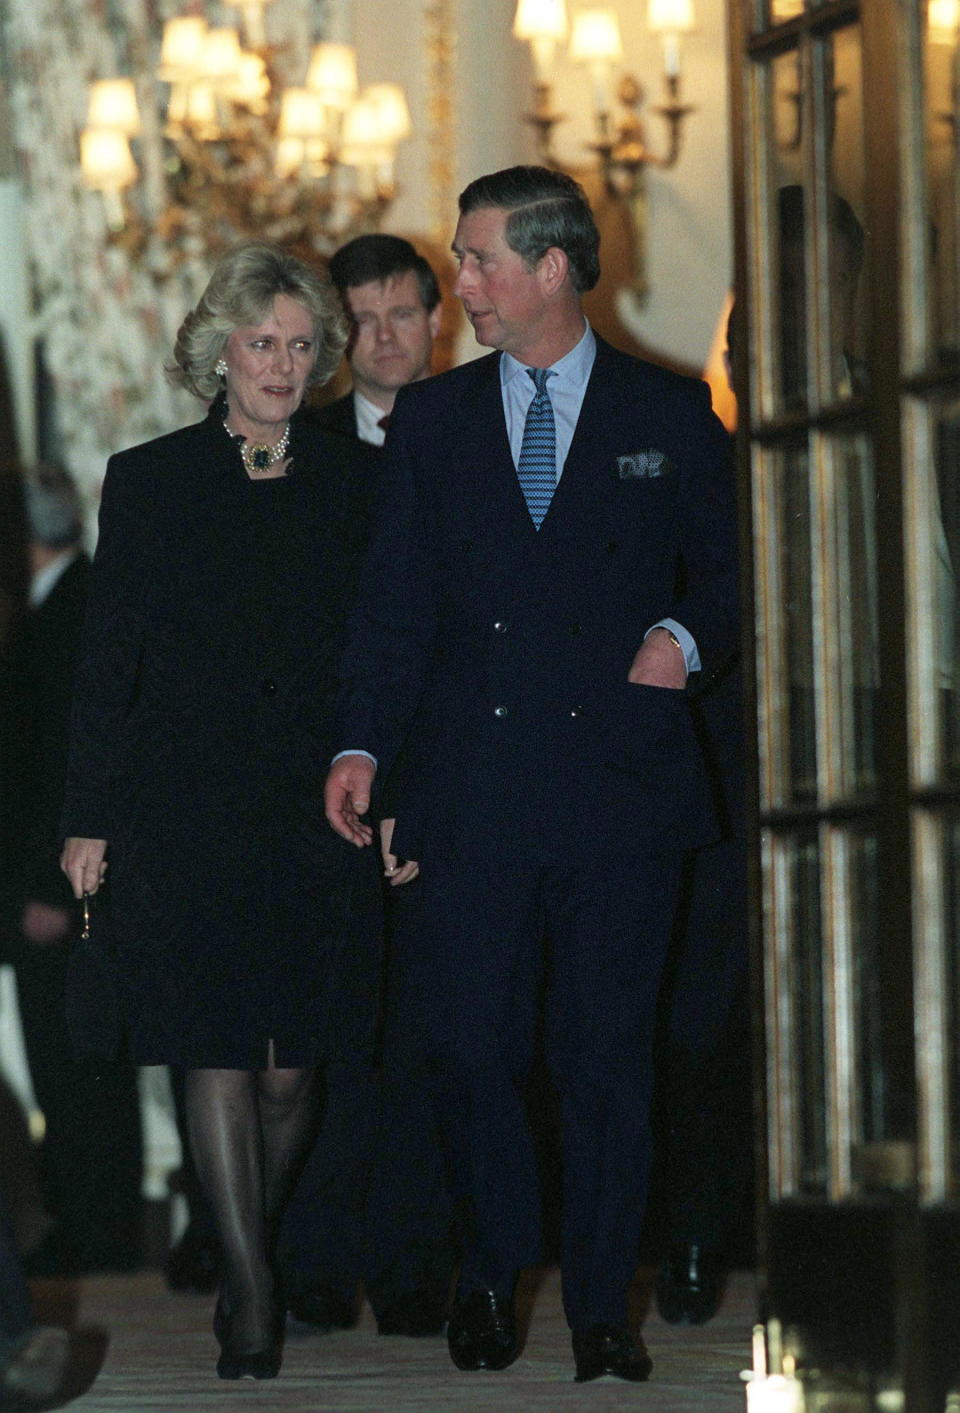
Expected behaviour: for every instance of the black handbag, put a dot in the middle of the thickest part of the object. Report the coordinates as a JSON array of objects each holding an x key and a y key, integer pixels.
[{"x": 92, "y": 999}]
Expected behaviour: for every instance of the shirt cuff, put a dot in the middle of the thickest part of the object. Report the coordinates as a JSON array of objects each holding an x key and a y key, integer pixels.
[
  {"x": 355, "y": 753},
  {"x": 691, "y": 656}
]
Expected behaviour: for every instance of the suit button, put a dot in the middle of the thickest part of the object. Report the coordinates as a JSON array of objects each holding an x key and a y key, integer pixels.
[
  {"x": 576, "y": 711},
  {"x": 268, "y": 687},
  {"x": 575, "y": 628},
  {"x": 466, "y": 545},
  {"x": 612, "y": 547},
  {"x": 500, "y": 711},
  {"x": 499, "y": 627}
]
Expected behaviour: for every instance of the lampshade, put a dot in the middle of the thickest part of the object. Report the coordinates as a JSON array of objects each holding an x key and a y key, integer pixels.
[
  {"x": 181, "y": 53},
  {"x": 596, "y": 36},
  {"x": 288, "y": 156},
  {"x": 332, "y": 74},
  {"x": 251, "y": 85},
  {"x": 106, "y": 160},
  {"x": 389, "y": 105},
  {"x": 200, "y": 115},
  {"x": 113, "y": 104},
  {"x": 540, "y": 19},
  {"x": 220, "y": 59},
  {"x": 362, "y": 142},
  {"x": 671, "y": 16},
  {"x": 301, "y": 114},
  {"x": 943, "y": 20}
]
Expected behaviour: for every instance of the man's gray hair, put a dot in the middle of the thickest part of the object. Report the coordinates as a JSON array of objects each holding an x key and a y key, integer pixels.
[{"x": 547, "y": 208}]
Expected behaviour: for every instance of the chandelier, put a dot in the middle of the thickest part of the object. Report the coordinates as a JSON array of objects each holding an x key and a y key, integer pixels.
[{"x": 233, "y": 153}]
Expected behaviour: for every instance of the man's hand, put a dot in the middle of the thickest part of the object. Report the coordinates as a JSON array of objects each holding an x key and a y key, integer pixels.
[
  {"x": 84, "y": 864},
  {"x": 409, "y": 869},
  {"x": 346, "y": 797},
  {"x": 43, "y": 925},
  {"x": 659, "y": 662}
]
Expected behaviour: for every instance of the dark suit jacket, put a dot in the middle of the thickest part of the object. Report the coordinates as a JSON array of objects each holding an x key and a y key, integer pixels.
[
  {"x": 339, "y": 416},
  {"x": 505, "y": 650}
]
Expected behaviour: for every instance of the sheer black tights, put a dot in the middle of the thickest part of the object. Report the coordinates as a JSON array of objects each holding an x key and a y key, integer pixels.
[{"x": 248, "y": 1134}]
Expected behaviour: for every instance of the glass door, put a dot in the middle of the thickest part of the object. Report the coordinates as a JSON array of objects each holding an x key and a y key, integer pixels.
[{"x": 847, "y": 353}]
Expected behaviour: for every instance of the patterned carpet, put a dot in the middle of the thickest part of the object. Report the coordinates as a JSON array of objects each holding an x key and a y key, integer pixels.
[{"x": 138, "y": 1346}]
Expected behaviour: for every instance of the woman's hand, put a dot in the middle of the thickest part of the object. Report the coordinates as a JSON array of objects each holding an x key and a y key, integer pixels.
[
  {"x": 84, "y": 864},
  {"x": 407, "y": 871}
]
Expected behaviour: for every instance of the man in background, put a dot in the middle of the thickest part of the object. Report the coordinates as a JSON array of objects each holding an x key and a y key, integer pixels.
[
  {"x": 370, "y": 1205},
  {"x": 91, "y": 1159},
  {"x": 392, "y": 298}
]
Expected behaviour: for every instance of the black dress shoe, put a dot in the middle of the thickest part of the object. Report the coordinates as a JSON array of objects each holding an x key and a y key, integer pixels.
[
  {"x": 415, "y": 1314},
  {"x": 689, "y": 1285},
  {"x": 320, "y": 1305},
  {"x": 481, "y": 1331},
  {"x": 195, "y": 1263},
  {"x": 608, "y": 1349}
]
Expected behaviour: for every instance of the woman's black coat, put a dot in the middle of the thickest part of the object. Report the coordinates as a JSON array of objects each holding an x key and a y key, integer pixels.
[{"x": 201, "y": 740}]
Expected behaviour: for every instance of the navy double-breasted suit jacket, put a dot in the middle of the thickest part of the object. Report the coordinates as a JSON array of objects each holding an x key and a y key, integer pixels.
[{"x": 500, "y": 653}]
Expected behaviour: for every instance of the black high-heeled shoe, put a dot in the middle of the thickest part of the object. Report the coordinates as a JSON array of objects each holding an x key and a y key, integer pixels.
[
  {"x": 261, "y": 1364},
  {"x": 241, "y": 1364}
]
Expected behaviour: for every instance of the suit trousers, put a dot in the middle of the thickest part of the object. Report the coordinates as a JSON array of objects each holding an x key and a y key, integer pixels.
[
  {"x": 500, "y": 943},
  {"x": 371, "y": 1203},
  {"x": 704, "y": 1105}
]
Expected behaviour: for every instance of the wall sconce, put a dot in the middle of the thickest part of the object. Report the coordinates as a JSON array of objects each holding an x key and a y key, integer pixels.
[{"x": 620, "y": 141}]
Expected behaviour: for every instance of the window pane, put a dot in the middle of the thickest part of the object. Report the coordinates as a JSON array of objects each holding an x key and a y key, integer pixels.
[
  {"x": 783, "y": 265},
  {"x": 951, "y": 874},
  {"x": 806, "y": 992},
  {"x": 943, "y": 179},
  {"x": 854, "y": 615},
  {"x": 792, "y": 586},
  {"x": 945, "y": 561},
  {"x": 867, "y": 996},
  {"x": 843, "y": 358}
]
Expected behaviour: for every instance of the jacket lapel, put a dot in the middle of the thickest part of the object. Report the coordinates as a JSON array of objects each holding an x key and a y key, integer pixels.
[{"x": 488, "y": 477}]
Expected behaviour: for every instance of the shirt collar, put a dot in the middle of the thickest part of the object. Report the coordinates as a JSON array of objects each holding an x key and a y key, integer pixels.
[
  {"x": 368, "y": 418},
  {"x": 575, "y": 365}
]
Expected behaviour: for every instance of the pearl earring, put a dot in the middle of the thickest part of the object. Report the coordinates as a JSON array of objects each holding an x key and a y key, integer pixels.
[{"x": 220, "y": 368}]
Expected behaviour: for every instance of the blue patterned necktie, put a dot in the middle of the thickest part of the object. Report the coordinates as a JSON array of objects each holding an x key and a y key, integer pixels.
[{"x": 537, "y": 466}]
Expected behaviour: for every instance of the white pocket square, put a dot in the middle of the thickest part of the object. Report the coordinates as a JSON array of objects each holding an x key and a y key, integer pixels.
[{"x": 642, "y": 464}]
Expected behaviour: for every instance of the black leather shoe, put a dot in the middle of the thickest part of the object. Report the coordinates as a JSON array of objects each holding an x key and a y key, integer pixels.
[
  {"x": 689, "y": 1285},
  {"x": 481, "y": 1331},
  {"x": 195, "y": 1263},
  {"x": 608, "y": 1349},
  {"x": 416, "y": 1314},
  {"x": 320, "y": 1305}
]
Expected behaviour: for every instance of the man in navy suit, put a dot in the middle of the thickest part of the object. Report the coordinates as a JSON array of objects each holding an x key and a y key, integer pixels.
[
  {"x": 552, "y": 780},
  {"x": 392, "y": 299}
]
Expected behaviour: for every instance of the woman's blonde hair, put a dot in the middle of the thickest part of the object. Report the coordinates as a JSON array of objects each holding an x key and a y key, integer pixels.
[{"x": 240, "y": 292}]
